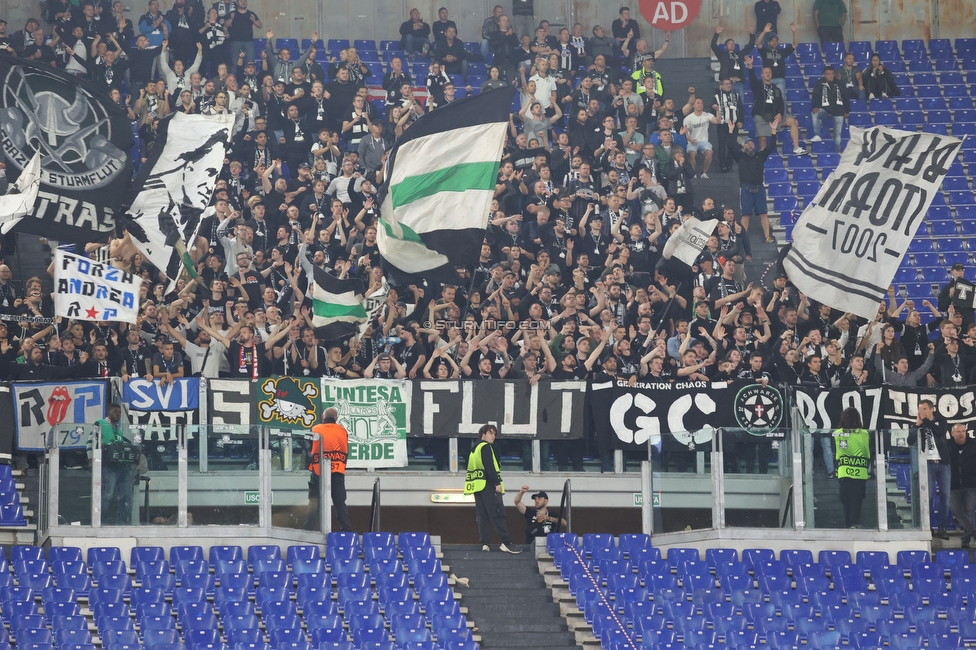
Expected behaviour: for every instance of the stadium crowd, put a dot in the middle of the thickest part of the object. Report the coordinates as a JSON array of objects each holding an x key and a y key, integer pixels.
[{"x": 598, "y": 173}]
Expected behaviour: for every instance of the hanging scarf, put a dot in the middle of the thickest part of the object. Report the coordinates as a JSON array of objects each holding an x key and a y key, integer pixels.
[
  {"x": 728, "y": 106},
  {"x": 242, "y": 367}
]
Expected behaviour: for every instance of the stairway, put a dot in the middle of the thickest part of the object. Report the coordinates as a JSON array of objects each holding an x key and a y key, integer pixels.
[
  {"x": 508, "y": 600},
  {"x": 678, "y": 75},
  {"x": 829, "y": 512}
]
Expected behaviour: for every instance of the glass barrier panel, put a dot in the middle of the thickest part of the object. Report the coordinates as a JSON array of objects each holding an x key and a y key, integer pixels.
[
  {"x": 155, "y": 480},
  {"x": 291, "y": 505},
  {"x": 568, "y": 455},
  {"x": 74, "y": 475},
  {"x": 681, "y": 480},
  {"x": 832, "y": 502},
  {"x": 430, "y": 453},
  {"x": 223, "y": 482},
  {"x": 901, "y": 479},
  {"x": 758, "y": 478}
]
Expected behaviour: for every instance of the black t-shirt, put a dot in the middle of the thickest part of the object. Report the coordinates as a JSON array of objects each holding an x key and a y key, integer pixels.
[
  {"x": 410, "y": 354},
  {"x": 245, "y": 361},
  {"x": 535, "y": 529},
  {"x": 242, "y": 29}
]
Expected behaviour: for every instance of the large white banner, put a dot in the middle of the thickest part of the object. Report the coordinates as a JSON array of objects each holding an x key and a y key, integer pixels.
[
  {"x": 849, "y": 242},
  {"x": 177, "y": 185},
  {"x": 687, "y": 242},
  {"x": 87, "y": 290}
]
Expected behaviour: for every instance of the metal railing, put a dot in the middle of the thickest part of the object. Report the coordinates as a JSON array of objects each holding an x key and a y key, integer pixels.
[
  {"x": 565, "y": 506},
  {"x": 374, "y": 508}
]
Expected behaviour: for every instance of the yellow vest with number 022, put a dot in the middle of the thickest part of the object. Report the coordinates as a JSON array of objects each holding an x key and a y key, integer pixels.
[{"x": 474, "y": 478}]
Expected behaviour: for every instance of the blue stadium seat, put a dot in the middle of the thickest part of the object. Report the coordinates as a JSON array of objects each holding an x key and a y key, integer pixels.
[
  {"x": 146, "y": 554},
  {"x": 177, "y": 553},
  {"x": 405, "y": 539},
  {"x": 265, "y": 558},
  {"x": 145, "y": 610},
  {"x": 60, "y": 554},
  {"x": 69, "y": 567},
  {"x": 165, "y": 583},
  {"x": 195, "y": 567},
  {"x": 145, "y": 568},
  {"x": 303, "y": 554},
  {"x": 377, "y": 540},
  {"x": 224, "y": 553},
  {"x": 225, "y": 566}
]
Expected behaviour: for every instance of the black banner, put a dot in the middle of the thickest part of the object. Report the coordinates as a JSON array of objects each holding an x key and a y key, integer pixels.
[
  {"x": 549, "y": 410},
  {"x": 686, "y": 414},
  {"x": 84, "y": 140},
  {"x": 229, "y": 402},
  {"x": 899, "y": 407},
  {"x": 821, "y": 409}
]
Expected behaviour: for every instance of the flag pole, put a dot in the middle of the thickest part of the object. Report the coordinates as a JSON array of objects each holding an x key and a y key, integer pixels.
[
  {"x": 467, "y": 307},
  {"x": 668, "y": 308}
]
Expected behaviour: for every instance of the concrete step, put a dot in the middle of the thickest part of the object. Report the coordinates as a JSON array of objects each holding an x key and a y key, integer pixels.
[{"x": 507, "y": 599}]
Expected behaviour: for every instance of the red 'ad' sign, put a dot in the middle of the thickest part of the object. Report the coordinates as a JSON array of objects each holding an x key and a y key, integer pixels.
[{"x": 669, "y": 15}]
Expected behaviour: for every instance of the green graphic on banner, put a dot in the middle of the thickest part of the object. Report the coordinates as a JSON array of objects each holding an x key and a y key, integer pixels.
[
  {"x": 376, "y": 413},
  {"x": 288, "y": 402}
]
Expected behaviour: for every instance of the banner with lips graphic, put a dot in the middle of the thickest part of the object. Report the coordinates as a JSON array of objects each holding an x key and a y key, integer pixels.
[{"x": 40, "y": 408}]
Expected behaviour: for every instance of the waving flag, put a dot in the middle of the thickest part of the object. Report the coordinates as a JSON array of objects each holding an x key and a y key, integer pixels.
[
  {"x": 337, "y": 306},
  {"x": 442, "y": 174},
  {"x": 83, "y": 138},
  {"x": 19, "y": 200},
  {"x": 175, "y": 186},
  {"x": 687, "y": 243},
  {"x": 850, "y": 240}
]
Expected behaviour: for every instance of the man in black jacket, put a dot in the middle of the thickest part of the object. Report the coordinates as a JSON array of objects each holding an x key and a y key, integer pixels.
[
  {"x": 752, "y": 191},
  {"x": 451, "y": 53},
  {"x": 731, "y": 60},
  {"x": 934, "y": 451},
  {"x": 962, "y": 459},
  {"x": 830, "y": 101}
]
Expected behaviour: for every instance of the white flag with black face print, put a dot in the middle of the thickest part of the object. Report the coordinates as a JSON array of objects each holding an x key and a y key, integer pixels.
[
  {"x": 849, "y": 241},
  {"x": 441, "y": 181},
  {"x": 176, "y": 185}
]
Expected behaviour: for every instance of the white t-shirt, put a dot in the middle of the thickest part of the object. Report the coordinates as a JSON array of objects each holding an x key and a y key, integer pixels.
[
  {"x": 544, "y": 87},
  {"x": 698, "y": 126},
  {"x": 197, "y": 353}
]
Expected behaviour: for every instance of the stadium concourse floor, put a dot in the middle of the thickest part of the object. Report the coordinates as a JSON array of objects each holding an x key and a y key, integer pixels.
[{"x": 678, "y": 75}]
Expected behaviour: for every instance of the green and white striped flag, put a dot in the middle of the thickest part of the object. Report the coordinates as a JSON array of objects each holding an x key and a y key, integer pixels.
[
  {"x": 337, "y": 306},
  {"x": 442, "y": 174}
]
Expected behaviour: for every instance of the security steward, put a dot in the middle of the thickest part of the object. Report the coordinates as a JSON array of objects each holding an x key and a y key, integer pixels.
[
  {"x": 331, "y": 441},
  {"x": 483, "y": 479}
]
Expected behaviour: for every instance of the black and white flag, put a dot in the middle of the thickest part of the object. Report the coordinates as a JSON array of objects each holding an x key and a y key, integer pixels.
[
  {"x": 687, "y": 242},
  {"x": 849, "y": 241},
  {"x": 83, "y": 139},
  {"x": 176, "y": 184},
  {"x": 442, "y": 176}
]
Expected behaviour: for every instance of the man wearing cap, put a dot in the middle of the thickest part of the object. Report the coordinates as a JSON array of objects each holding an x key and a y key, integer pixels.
[
  {"x": 538, "y": 521},
  {"x": 959, "y": 293},
  {"x": 385, "y": 366},
  {"x": 483, "y": 479}
]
